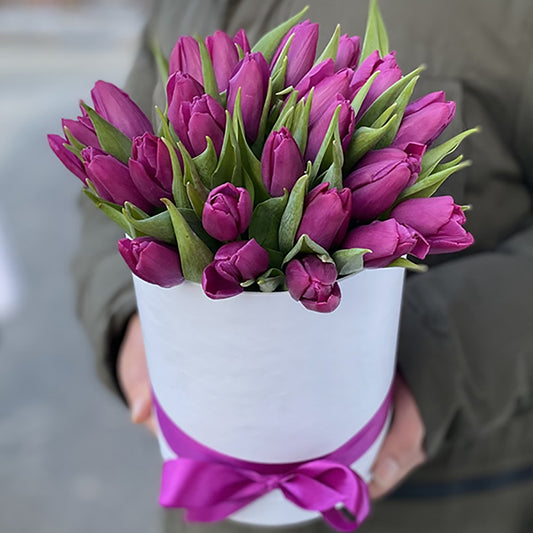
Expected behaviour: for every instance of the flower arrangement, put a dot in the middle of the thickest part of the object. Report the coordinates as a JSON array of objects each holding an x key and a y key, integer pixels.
[{"x": 272, "y": 168}]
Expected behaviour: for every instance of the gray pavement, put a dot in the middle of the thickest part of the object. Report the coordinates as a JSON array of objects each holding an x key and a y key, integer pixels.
[{"x": 70, "y": 461}]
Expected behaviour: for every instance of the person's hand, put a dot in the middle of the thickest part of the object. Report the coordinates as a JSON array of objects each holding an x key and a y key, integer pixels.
[
  {"x": 132, "y": 373},
  {"x": 402, "y": 450}
]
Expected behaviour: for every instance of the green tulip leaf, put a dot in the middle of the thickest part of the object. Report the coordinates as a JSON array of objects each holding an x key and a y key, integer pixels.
[
  {"x": 196, "y": 202},
  {"x": 194, "y": 253},
  {"x": 387, "y": 98},
  {"x": 350, "y": 260},
  {"x": 165, "y": 128},
  {"x": 292, "y": 214},
  {"x": 275, "y": 258},
  {"x": 429, "y": 185},
  {"x": 376, "y": 37},
  {"x": 306, "y": 245},
  {"x": 258, "y": 145},
  {"x": 229, "y": 166},
  {"x": 249, "y": 185},
  {"x": 111, "y": 140},
  {"x": 111, "y": 210},
  {"x": 300, "y": 122},
  {"x": 208, "y": 72},
  {"x": 247, "y": 283},
  {"x": 285, "y": 118},
  {"x": 73, "y": 150},
  {"x": 271, "y": 280},
  {"x": 73, "y": 141},
  {"x": 159, "y": 226},
  {"x": 206, "y": 163},
  {"x": 448, "y": 164},
  {"x": 330, "y": 52},
  {"x": 434, "y": 156},
  {"x": 359, "y": 98},
  {"x": 279, "y": 71},
  {"x": 266, "y": 219},
  {"x": 325, "y": 146},
  {"x": 191, "y": 175},
  {"x": 402, "y": 262},
  {"x": 178, "y": 188},
  {"x": 333, "y": 175},
  {"x": 269, "y": 43},
  {"x": 195, "y": 224}
]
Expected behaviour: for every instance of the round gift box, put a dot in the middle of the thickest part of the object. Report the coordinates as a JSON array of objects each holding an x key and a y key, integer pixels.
[{"x": 260, "y": 378}]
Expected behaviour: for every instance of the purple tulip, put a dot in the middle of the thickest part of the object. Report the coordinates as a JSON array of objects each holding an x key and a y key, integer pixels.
[
  {"x": 438, "y": 219},
  {"x": 389, "y": 74},
  {"x": 251, "y": 77},
  {"x": 241, "y": 40},
  {"x": 120, "y": 110},
  {"x": 388, "y": 241},
  {"x": 71, "y": 161},
  {"x": 320, "y": 72},
  {"x": 181, "y": 88},
  {"x": 151, "y": 168},
  {"x": 112, "y": 178},
  {"x": 312, "y": 282},
  {"x": 327, "y": 90},
  {"x": 224, "y": 54},
  {"x": 348, "y": 52},
  {"x": 234, "y": 263},
  {"x": 152, "y": 261},
  {"x": 227, "y": 212},
  {"x": 185, "y": 58},
  {"x": 302, "y": 51},
  {"x": 82, "y": 129},
  {"x": 201, "y": 118},
  {"x": 425, "y": 119},
  {"x": 326, "y": 215},
  {"x": 281, "y": 163},
  {"x": 319, "y": 128},
  {"x": 380, "y": 177}
]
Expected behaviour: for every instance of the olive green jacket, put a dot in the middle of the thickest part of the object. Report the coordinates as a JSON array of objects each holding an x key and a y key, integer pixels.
[{"x": 466, "y": 341}]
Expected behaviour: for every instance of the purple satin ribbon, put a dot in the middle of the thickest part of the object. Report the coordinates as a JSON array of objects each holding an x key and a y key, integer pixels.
[{"x": 211, "y": 486}]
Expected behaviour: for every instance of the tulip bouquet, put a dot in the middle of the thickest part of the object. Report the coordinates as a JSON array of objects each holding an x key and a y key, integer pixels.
[{"x": 271, "y": 169}]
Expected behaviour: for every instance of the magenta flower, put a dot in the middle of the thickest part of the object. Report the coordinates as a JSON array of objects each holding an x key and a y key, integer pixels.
[
  {"x": 302, "y": 51},
  {"x": 233, "y": 264},
  {"x": 388, "y": 241},
  {"x": 201, "y": 118},
  {"x": 151, "y": 168},
  {"x": 152, "y": 261},
  {"x": 227, "y": 212},
  {"x": 326, "y": 215},
  {"x": 380, "y": 177},
  {"x": 82, "y": 129},
  {"x": 438, "y": 219},
  {"x": 319, "y": 128},
  {"x": 251, "y": 77},
  {"x": 71, "y": 161},
  {"x": 348, "y": 52},
  {"x": 185, "y": 58},
  {"x": 115, "y": 106},
  {"x": 317, "y": 74},
  {"x": 425, "y": 119},
  {"x": 281, "y": 163},
  {"x": 181, "y": 88},
  {"x": 112, "y": 178},
  {"x": 241, "y": 40},
  {"x": 224, "y": 55},
  {"x": 312, "y": 282}
]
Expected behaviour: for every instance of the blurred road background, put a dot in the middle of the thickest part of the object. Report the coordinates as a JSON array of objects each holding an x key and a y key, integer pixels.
[{"x": 70, "y": 461}]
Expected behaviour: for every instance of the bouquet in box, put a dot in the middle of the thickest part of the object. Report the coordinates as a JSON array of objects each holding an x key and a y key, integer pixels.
[{"x": 272, "y": 169}]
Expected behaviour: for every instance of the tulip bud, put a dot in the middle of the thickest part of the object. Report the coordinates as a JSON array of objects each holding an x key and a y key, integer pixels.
[
  {"x": 152, "y": 261},
  {"x": 388, "y": 241},
  {"x": 251, "y": 77},
  {"x": 438, "y": 219},
  {"x": 227, "y": 212},
  {"x": 312, "y": 282},
  {"x": 241, "y": 40},
  {"x": 281, "y": 163},
  {"x": 71, "y": 161},
  {"x": 318, "y": 73},
  {"x": 319, "y": 128},
  {"x": 201, "y": 118},
  {"x": 112, "y": 178},
  {"x": 151, "y": 168},
  {"x": 425, "y": 119},
  {"x": 82, "y": 129},
  {"x": 326, "y": 215},
  {"x": 348, "y": 52},
  {"x": 120, "y": 110},
  {"x": 224, "y": 56},
  {"x": 389, "y": 74},
  {"x": 185, "y": 58},
  {"x": 233, "y": 264},
  {"x": 302, "y": 51},
  {"x": 380, "y": 177},
  {"x": 181, "y": 88},
  {"x": 327, "y": 90}
]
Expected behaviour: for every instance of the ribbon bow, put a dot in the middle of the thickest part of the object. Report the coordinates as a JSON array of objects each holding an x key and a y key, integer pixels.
[{"x": 213, "y": 491}]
